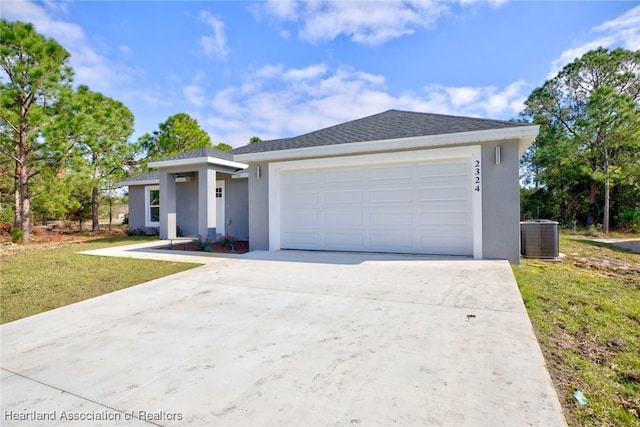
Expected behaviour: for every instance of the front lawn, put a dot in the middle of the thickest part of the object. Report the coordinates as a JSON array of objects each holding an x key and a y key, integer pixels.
[
  {"x": 586, "y": 313},
  {"x": 41, "y": 277}
]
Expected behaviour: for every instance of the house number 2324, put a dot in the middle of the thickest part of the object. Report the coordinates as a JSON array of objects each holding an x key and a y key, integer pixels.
[{"x": 476, "y": 175}]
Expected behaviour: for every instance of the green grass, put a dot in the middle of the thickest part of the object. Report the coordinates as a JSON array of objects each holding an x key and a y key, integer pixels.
[
  {"x": 37, "y": 278},
  {"x": 586, "y": 313}
]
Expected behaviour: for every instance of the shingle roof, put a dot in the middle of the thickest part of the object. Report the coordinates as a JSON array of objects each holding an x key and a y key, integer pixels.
[
  {"x": 200, "y": 152},
  {"x": 151, "y": 176},
  {"x": 392, "y": 124}
]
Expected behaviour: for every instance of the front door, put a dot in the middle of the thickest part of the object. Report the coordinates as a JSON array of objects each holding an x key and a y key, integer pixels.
[{"x": 220, "y": 207}]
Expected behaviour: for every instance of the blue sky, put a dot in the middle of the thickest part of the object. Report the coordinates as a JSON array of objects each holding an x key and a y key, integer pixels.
[{"x": 282, "y": 68}]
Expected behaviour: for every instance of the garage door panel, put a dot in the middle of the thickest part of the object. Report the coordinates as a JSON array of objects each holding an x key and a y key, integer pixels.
[
  {"x": 440, "y": 181},
  {"x": 419, "y": 207},
  {"x": 448, "y": 244},
  {"x": 392, "y": 241},
  {"x": 445, "y": 205},
  {"x": 342, "y": 196},
  {"x": 443, "y": 193},
  {"x": 301, "y": 218},
  {"x": 344, "y": 240},
  {"x": 393, "y": 174},
  {"x": 302, "y": 198},
  {"x": 342, "y": 176},
  {"x": 343, "y": 219},
  {"x": 390, "y": 195},
  {"x": 390, "y": 219},
  {"x": 300, "y": 178},
  {"x": 441, "y": 168},
  {"x": 304, "y": 240},
  {"x": 443, "y": 218}
]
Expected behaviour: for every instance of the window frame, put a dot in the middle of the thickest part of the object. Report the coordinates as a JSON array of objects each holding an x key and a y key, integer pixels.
[{"x": 147, "y": 206}]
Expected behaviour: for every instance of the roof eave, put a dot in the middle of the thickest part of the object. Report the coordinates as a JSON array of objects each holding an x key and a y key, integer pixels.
[
  {"x": 524, "y": 134},
  {"x": 198, "y": 161},
  {"x": 141, "y": 182}
]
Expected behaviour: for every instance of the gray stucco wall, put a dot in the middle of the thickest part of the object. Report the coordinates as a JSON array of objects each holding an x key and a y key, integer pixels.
[
  {"x": 258, "y": 207},
  {"x": 236, "y": 206},
  {"x": 187, "y": 206},
  {"x": 501, "y": 202},
  {"x": 136, "y": 206}
]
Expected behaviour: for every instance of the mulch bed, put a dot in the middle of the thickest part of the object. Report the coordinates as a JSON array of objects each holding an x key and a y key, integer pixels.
[{"x": 241, "y": 247}]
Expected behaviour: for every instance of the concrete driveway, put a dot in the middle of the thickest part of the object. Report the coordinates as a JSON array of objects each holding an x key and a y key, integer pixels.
[{"x": 287, "y": 339}]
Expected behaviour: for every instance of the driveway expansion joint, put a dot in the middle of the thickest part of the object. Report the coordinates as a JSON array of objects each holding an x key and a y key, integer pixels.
[{"x": 86, "y": 399}]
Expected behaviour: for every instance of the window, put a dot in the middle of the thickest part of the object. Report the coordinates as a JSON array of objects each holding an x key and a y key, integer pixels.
[
  {"x": 152, "y": 206},
  {"x": 218, "y": 192}
]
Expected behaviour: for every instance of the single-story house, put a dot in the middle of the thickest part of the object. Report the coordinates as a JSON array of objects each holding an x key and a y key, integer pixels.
[{"x": 398, "y": 181}]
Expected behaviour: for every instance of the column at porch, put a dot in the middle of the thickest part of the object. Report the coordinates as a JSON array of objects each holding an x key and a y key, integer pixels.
[
  {"x": 207, "y": 203},
  {"x": 167, "y": 205}
]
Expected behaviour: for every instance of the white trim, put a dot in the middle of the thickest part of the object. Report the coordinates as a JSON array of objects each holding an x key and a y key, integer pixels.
[
  {"x": 147, "y": 206},
  {"x": 476, "y": 203},
  {"x": 274, "y": 204},
  {"x": 473, "y": 153},
  {"x": 220, "y": 215},
  {"x": 179, "y": 179},
  {"x": 525, "y": 134},
  {"x": 146, "y": 182},
  {"x": 197, "y": 161},
  {"x": 240, "y": 175}
]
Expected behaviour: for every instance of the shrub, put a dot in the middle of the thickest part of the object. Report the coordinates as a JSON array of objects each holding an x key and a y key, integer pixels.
[
  {"x": 228, "y": 241},
  {"x": 630, "y": 218},
  {"x": 135, "y": 231},
  {"x": 204, "y": 245},
  {"x": 143, "y": 231},
  {"x": 6, "y": 214},
  {"x": 125, "y": 220},
  {"x": 16, "y": 235}
]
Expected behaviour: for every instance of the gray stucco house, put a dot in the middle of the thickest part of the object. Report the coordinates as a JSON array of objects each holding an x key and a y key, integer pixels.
[{"x": 398, "y": 181}]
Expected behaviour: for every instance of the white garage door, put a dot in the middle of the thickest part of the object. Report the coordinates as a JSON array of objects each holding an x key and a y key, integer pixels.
[{"x": 422, "y": 207}]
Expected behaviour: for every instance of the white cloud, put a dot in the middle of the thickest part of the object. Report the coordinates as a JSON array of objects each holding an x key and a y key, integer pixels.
[
  {"x": 366, "y": 22},
  {"x": 306, "y": 73},
  {"x": 623, "y": 31},
  {"x": 149, "y": 97},
  {"x": 630, "y": 19},
  {"x": 214, "y": 45},
  {"x": 283, "y": 9},
  {"x": 125, "y": 50},
  {"x": 482, "y": 101},
  {"x": 275, "y": 101},
  {"x": 463, "y": 95},
  {"x": 195, "y": 95}
]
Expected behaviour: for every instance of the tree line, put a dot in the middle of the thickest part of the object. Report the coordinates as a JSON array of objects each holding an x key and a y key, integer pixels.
[
  {"x": 584, "y": 167},
  {"x": 64, "y": 148}
]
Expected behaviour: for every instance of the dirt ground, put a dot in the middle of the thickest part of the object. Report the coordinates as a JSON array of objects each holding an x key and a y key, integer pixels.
[
  {"x": 44, "y": 235},
  {"x": 55, "y": 235}
]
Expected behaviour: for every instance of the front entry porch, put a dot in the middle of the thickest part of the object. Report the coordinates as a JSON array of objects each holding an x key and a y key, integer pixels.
[{"x": 192, "y": 196}]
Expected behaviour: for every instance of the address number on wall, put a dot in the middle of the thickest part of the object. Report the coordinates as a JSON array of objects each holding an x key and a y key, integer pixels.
[{"x": 476, "y": 175}]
